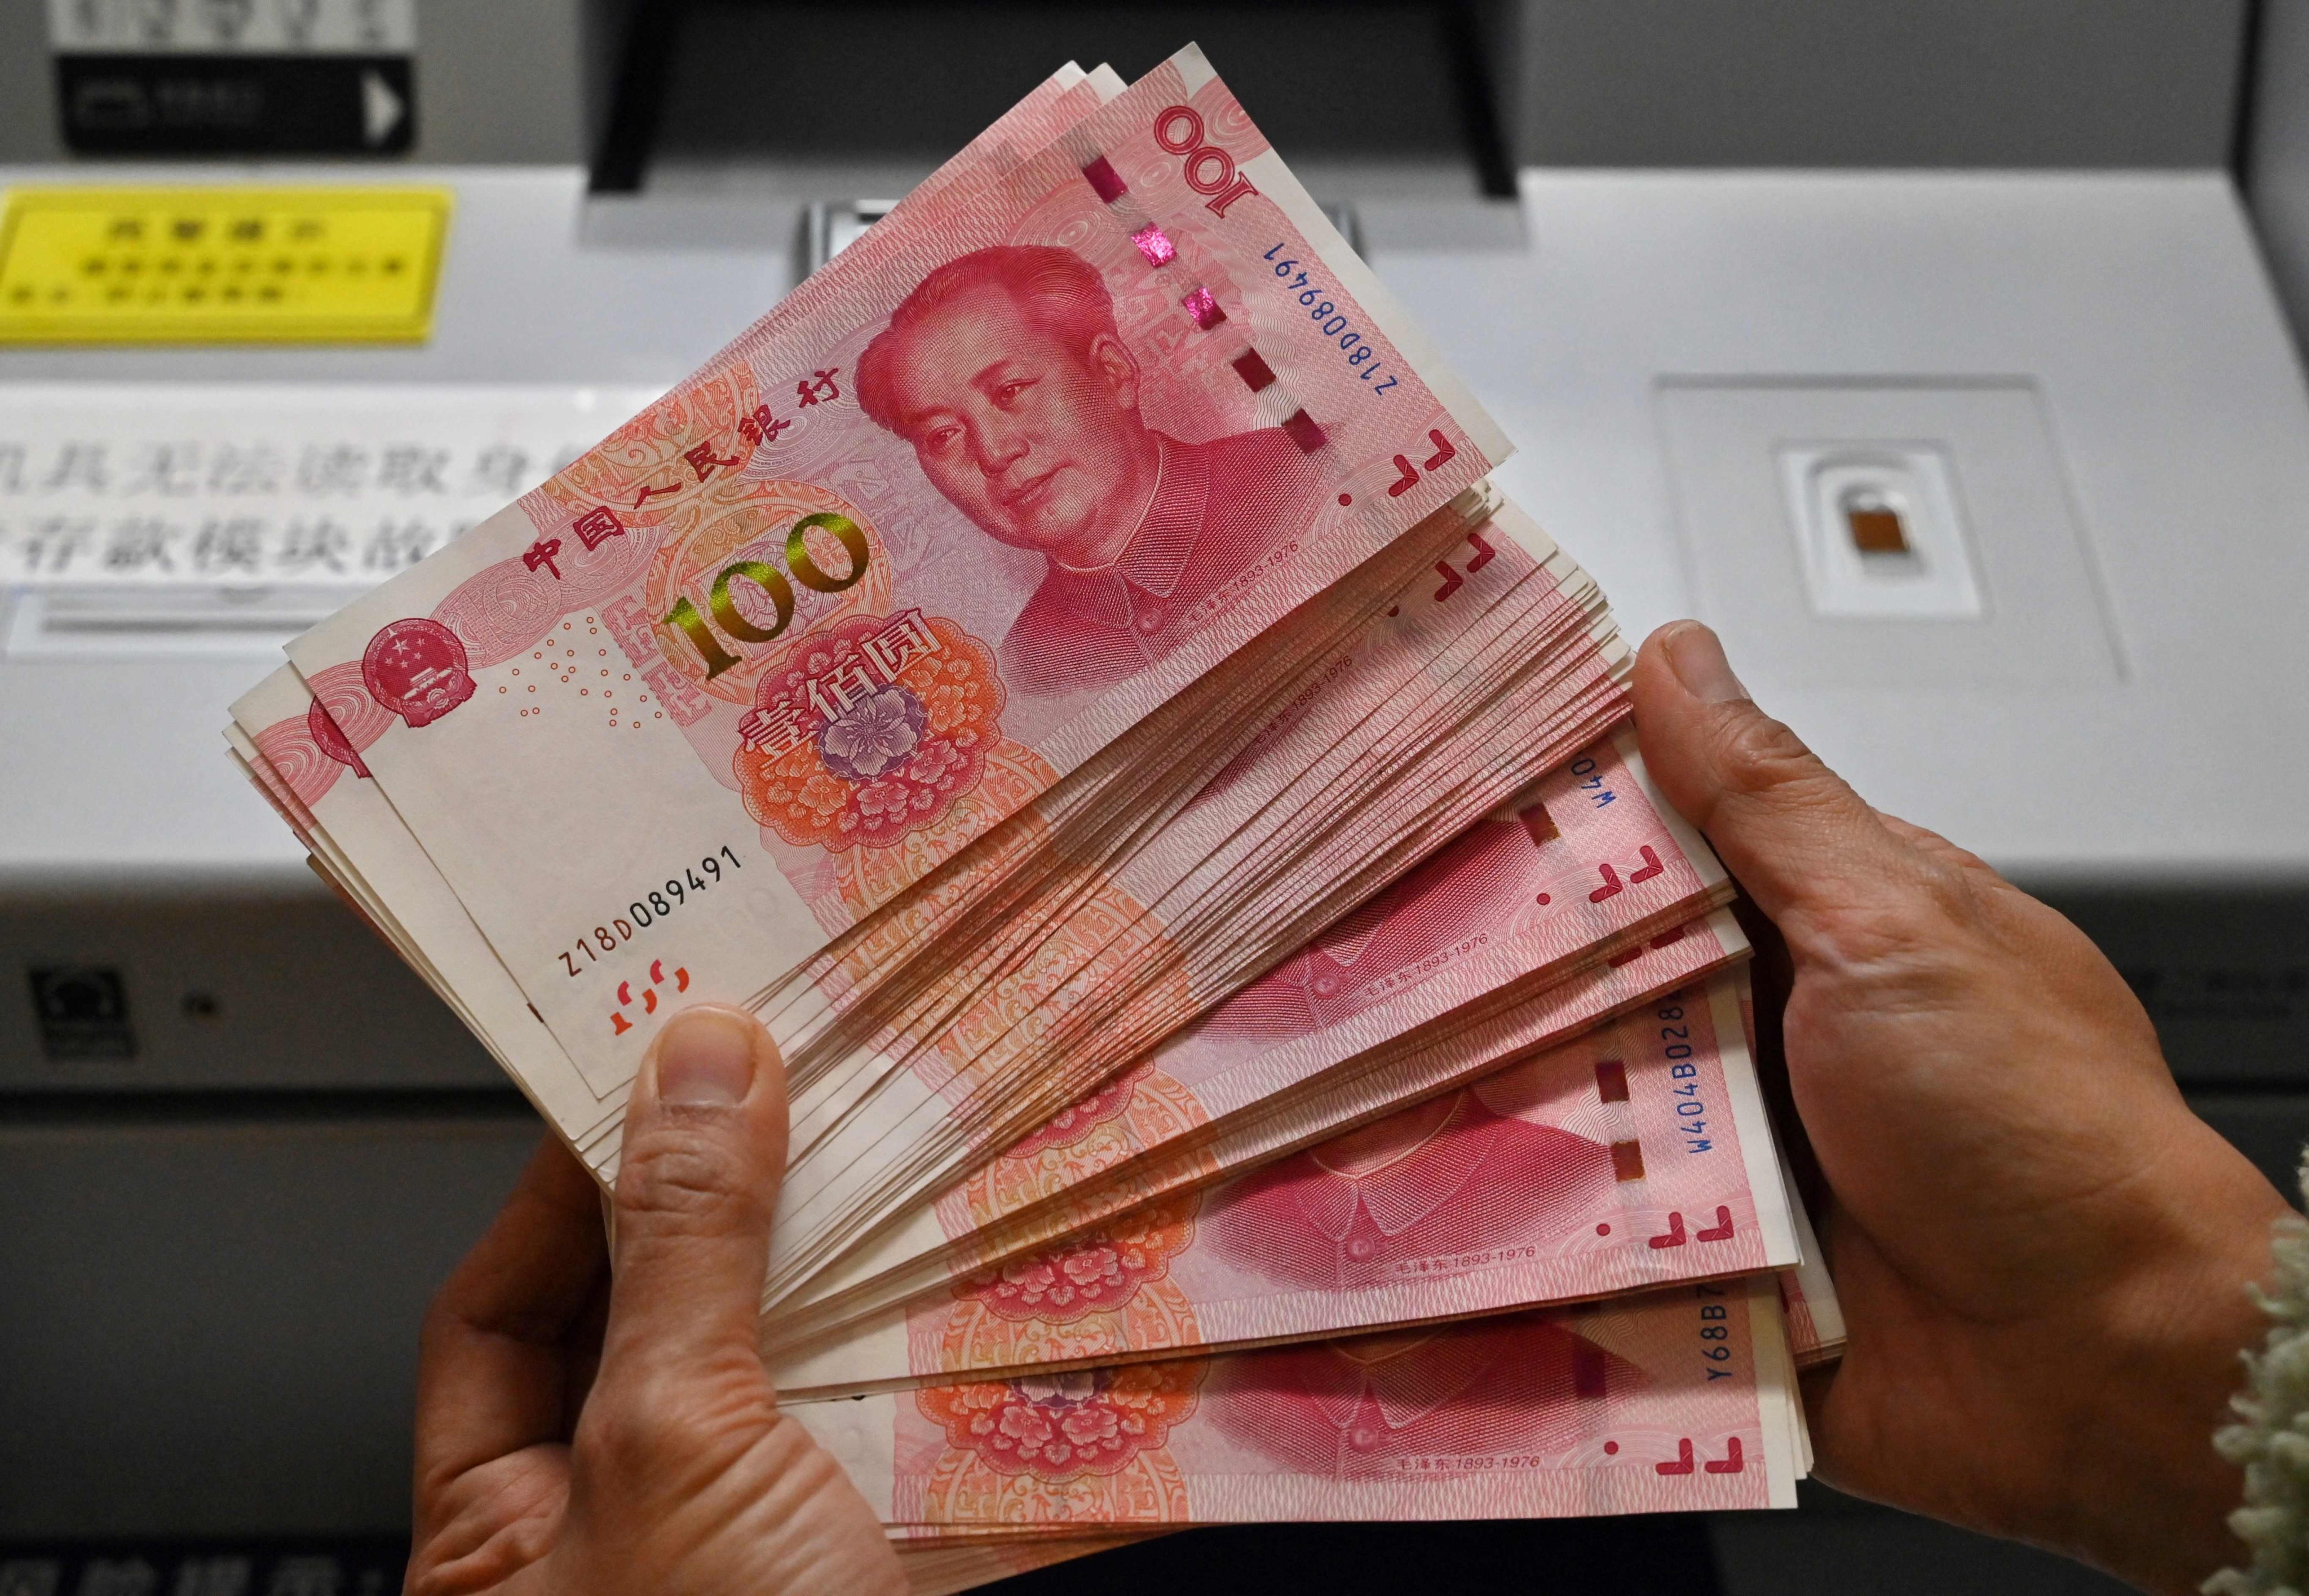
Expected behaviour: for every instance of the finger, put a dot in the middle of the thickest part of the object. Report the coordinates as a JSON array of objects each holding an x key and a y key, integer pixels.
[
  {"x": 704, "y": 1153},
  {"x": 491, "y": 1373},
  {"x": 1803, "y": 844}
]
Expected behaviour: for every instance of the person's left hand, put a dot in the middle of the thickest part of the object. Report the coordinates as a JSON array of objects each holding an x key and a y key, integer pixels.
[{"x": 578, "y": 1430}]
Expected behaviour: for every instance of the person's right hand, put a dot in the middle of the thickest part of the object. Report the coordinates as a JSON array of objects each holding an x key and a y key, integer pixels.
[{"x": 2043, "y": 1255}]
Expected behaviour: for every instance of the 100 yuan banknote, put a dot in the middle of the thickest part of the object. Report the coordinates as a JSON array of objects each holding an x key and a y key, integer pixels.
[
  {"x": 1630, "y": 1159},
  {"x": 878, "y": 575},
  {"x": 924, "y": 1259},
  {"x": 296, "y": 750},
  {"x": 1672, "y": 1401},
  {"x": 1584, "y": 860}
]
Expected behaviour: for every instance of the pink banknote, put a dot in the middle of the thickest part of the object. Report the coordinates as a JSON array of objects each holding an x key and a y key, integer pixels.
[
  {"x": 306, "y": 753},
  {"x": 1670, "y": 1402},
  {"x": 1054, "y": 105},
  {"x": 1011, "y": 475},
  {"x": 1585, "y": 860},
  {"x": 1571, "y": 868},
  {"x": 1815, "y": 1318},
  {"x": 295, "y": 749},
  {"x": 873, "y": 1284},
  {"x": 1311, "y": 819},
  {"x": 1633, "y": 1157},
  {"x": 1581, "y": 860},
  {"x": 1304, "y": 763},
  {"x": 1134, "y": 882}
]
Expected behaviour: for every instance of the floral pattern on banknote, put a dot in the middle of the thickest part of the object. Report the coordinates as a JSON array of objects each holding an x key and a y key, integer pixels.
[
  {"x": 1095, "y": 1274},
  {"x": 963, "y": 1489},
  {"x": 1033, "y": 1003},
  {"x": 871, "y": 730},
  {"x": 964, "y": 1337},
  {"x": 869, "y": 876},
  {"x": 1092, "y": 1296},
  {"x": 1078, "y": 1119},
  {"x": 1141, "y": 1108},
  {"x": 1055, "y": 1428}
]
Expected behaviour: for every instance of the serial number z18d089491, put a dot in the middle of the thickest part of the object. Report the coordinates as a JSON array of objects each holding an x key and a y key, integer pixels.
[
  {"x": 1325, "y": 309},
  {"x": 649, "y": 909}
]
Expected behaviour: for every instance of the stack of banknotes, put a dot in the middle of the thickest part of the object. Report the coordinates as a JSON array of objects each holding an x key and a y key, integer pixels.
[{"x": 1259, "y": 1048}]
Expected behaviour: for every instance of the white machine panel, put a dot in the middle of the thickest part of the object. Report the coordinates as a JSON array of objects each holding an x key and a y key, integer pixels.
[
  {"x": 248, "y": 485},
  {"x": 2100, "y": 359},
  {"x": 1782, "y": 488}
]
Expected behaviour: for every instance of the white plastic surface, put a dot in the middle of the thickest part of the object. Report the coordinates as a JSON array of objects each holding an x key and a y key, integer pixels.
[
  {"x": 2133, "y": 305},
  {"x": 2008, "y": 598},
  {"x": 1827, "y": 485}
]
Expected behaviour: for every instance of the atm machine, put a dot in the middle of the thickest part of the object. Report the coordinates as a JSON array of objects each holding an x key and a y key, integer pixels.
[{"x": 1771, "y": 298}]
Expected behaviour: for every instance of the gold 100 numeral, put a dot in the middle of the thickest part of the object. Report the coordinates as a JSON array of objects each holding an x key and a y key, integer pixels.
[{"x": 772, "y": 581}]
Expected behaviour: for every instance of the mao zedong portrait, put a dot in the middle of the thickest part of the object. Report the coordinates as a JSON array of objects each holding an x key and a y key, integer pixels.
[{"x": 1005, "y": 371}]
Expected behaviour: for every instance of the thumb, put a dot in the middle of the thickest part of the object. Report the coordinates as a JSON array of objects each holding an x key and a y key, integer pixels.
[
  {"x": 1805, "y": 845},
  {"x": 697, "y": 1181}
]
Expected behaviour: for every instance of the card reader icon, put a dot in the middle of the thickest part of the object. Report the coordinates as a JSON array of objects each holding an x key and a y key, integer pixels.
[{"x": 82, "y": 1012}]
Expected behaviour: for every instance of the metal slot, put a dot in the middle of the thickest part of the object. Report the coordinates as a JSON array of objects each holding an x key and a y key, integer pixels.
[
  {"x": 1874, "y": 523},
  {"x": 1880, "y": 530}
]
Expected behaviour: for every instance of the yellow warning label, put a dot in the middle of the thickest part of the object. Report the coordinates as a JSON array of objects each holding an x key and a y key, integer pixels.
[{"x": 221, "y": 265}]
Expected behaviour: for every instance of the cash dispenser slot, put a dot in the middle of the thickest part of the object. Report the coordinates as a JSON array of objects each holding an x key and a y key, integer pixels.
[{"x": 684, "y": 99}]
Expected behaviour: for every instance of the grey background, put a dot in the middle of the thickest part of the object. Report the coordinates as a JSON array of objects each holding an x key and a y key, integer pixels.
[
  {"x": 1832, "y": 83},
  {"x": 2276, "y": 151},
  {"x": 1603, "y": 83},
  {"x": 210, "y": 1320},
  {"x": 497, "y": 81}
]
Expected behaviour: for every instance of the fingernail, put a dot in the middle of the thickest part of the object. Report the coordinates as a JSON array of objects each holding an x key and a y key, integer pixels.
[
  {"x": 705, "y": 1057},
  {"x": 1696, "y": 658}
]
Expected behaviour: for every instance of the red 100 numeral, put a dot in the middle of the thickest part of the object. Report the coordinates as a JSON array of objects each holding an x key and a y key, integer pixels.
[{"x": 1207, "y": 169}]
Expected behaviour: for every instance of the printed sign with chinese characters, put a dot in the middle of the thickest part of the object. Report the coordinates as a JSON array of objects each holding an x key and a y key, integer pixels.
[
  {"x": 259, "y": 265},
  {"x": 248, "y": 485}
]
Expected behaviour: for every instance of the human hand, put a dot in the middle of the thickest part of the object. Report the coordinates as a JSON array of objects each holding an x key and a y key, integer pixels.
[
  {"x": 580, "y": 1430},
  {"x": 2042, "y": 1254}
]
